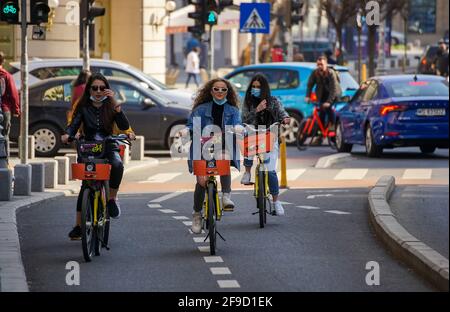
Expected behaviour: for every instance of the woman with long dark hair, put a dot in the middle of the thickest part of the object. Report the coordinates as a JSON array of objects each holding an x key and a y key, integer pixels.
[
  {"x": 96, "y": 113},
  {"x": 260, "y": 108},
  {"x": 216, "y": 104}
]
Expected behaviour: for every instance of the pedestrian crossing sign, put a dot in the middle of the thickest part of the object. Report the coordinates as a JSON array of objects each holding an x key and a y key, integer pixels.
[{"x": 255, "y": 18}]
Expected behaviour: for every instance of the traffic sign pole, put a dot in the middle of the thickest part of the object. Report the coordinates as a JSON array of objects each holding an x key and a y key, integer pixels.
[{"x": 23, "y": 144}]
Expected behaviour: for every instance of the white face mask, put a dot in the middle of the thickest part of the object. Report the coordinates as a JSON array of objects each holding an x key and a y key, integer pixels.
[{"x": 93, "y": 99}]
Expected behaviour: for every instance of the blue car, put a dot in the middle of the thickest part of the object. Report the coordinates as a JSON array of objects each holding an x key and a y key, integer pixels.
[
  {"x": 396, "y": 111},
  {"x": 288, "y": 82}
]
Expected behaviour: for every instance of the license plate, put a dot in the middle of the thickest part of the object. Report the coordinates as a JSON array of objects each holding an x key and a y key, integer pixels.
[{"x": 431, "y": 112}]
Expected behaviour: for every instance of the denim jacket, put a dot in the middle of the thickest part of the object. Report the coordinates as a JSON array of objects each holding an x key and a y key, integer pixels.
[{"x": 203, "y": 112}]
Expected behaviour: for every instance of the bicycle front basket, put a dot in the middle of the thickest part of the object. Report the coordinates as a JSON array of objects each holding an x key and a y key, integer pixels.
[
  {"x": 211, "y": 167},
  {"x": 257, "y": 144},
  {"x": 91, "y": 171}
]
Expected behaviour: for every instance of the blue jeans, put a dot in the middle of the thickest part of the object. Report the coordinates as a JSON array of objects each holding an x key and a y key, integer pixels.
[{"x": 274, "y": 187}]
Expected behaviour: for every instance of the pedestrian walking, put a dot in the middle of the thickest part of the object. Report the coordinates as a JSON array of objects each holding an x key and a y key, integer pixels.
[
  {"x": 9, "y": 100},
  {"x": 193, "y": 66},
  {"x": 440, "y": 62}
]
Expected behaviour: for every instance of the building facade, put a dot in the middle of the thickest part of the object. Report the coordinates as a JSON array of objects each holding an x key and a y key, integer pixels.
[{"x": 131, "y": 31}]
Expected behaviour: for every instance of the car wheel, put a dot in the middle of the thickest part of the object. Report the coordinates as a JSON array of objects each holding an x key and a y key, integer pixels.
[
  {"x": 341, "y": 146},
  {"x": 47, "y": 139},
  {"x": 372, "y": 149},
  {"x": 290, "y": 131},
  {"x": 426, "y": 149},
  {"x": 175, "y": 145}
]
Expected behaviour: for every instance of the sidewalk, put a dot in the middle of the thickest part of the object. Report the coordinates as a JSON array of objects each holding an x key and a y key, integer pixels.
[{"x": 12, "y": 273}]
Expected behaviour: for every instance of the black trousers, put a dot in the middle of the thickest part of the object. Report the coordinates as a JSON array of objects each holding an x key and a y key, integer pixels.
[{"x": 326, "y": 115}]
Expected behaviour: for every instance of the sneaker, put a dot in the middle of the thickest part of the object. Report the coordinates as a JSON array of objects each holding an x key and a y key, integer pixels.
[
  {"x": 278, "y": 208},
  {"x": 75, "y": 234},
  {"x": 196, "y": 223},
  {"x": 246, "y": 178},
  {"x": 227, "y": 204},
  {"x": 113, "y": 208}
]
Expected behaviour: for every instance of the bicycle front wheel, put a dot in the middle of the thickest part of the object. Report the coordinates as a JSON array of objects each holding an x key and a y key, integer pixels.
[
  {"x": 211, "y": 220},
  {"x": 88, "y": 236},
  {"x": 261, "y": 199}
]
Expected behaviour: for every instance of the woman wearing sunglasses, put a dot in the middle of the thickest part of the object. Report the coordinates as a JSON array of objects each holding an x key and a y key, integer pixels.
[
  {"x": 216, "y": 105},
  {"x": 262, "y": 109},
  {"x": 98, "y": 113}
]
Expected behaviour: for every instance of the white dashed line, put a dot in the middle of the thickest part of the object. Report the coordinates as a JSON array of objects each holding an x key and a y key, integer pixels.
[
  {"x": 319, "y": 195},
  {"x": 351, "y": 174},
  {"x": 204, "y": 248},
  {"x": 167, "y": 211},
  {"x": 187, "y": 223},
  {"x": 308, "y": 207},
  {"x": 294, "y": 174},
  {"x": 213, "y": 259},
  {"x": 180, "y": 218},
  {"x": 228, "y": 284},
  {"x": 200, "y": 240},
  {"x": 338, "y": 212},
  {"x": 162, "y": 177},
  {"x": 285, "y": 203},
  {"x": 166, "y": 197},
  {"x": 220, "y": 271},
  {"x": 154, "y": 206},
  {"x": 417, "y": 174}
]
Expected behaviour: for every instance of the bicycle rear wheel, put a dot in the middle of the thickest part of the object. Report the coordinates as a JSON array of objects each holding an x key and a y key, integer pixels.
[
  {"x": 102, "y": 228},
  {"x": 88, "y": 235},
  {"x": 261, "y": 199},
  {"x": 211, "y": 221}
]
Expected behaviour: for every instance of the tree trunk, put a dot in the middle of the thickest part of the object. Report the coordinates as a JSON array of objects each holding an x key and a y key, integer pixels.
[
  {"x": 371, "y": 49},
  {"x": 340, "y": 59}
]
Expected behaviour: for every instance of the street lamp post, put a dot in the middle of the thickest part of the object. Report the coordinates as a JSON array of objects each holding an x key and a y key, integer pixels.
[{"x": 23, "y": 144}]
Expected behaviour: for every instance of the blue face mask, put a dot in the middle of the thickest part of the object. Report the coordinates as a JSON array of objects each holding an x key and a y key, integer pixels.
[
  {"x": 220, "y": 102},
  {"x": 256, "y": 92},
  {"x": 93, "y": 99}
]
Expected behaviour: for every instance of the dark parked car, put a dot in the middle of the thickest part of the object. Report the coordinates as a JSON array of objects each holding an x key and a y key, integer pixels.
[
  {"x": 150, "y": 114},
  {"x": 396, "y": 111}
]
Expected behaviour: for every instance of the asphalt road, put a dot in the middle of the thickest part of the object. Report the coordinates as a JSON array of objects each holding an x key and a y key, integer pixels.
[
  {"x": 322, "y": 244},
  {"x": 423, "y": 211}
]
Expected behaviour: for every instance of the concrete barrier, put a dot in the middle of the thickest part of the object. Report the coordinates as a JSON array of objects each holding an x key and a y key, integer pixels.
[
  {"x": 37, "y": 177},
  {"x": 63, "y": 169},
  {"x": 22, "y": 180},
  {"x": 6, "y": 191},
  {"x": 137, "y": 148},
  {"x": 31, "y": 147},
  {"x": 126, "y": 156},
  {"x": 51, "y": 173},
  {"x": 72, "y": 160}
]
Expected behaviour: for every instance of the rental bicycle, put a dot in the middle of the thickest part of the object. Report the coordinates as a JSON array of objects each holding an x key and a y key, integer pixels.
[
  {"x": 259, "y": 144},
  {"x": 313, "y": 127},
  {"x": 212, "y": 211},
  {"x": 94, "y": 171}
]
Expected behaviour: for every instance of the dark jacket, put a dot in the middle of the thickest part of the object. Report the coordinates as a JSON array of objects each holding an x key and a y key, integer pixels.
[
  {"x": 325, "y": 85},
  {"x": 8, "y": 93},
  {"x": 274, "y": 107},
  {"x": 441, "y": 63},
  {"x": 90, "y": 117}
]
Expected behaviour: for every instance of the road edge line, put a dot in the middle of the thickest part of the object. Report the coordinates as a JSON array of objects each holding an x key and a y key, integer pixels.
[
  {"x": 424, "y": 260},
  {"x": 327, "y": 161}
]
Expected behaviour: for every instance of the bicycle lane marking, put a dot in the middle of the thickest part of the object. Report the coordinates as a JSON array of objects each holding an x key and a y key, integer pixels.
[{"x": 198, "y": 239}]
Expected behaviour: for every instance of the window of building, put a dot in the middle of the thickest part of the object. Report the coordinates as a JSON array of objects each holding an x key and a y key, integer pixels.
[{"x": 422, "y": 17}]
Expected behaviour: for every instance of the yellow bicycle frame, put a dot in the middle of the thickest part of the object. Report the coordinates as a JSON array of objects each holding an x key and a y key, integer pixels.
[
  {"x": 266, "y": 180},
  {"x": 98, "y": 196}
]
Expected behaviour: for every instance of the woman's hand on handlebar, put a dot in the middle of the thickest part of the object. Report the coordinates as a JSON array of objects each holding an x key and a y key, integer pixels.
[
  {"x": 65, "y": 138},
  {"x": 131, "y": 136},
  {"x": 287, "y": 120}
]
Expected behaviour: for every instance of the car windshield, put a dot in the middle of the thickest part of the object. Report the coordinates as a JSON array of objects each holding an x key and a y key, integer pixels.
[
  {"x": 347, "y": 81},
  {"x": 417, "y": 88},
  {"x": 156, "y": 82}
]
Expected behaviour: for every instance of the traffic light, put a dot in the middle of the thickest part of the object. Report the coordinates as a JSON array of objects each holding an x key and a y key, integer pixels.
[
  {"x": 10, "y": 12},
  {"x": 93, "y": 11},
  {"x": 295, "y": 12},
  {"x": 39, "y": 10},
  {"x": 214, "y": 8},
  {"x": 296, "y": 9},
  {"x": 199, "y": 17}
]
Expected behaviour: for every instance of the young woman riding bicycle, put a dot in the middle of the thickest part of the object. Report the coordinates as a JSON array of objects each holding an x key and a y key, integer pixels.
[
  {"x": 260, "y": 108},
  {"x": 96, "y": 113},
  {"x": 216, "y": 104}
]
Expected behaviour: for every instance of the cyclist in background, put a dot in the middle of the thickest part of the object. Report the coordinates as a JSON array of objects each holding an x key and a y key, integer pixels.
[
  {"x": 216, "y": 104},
  {"x": 98, "y": 113},
  {"x": 328, "y": 90},
  {"x": 260, "y": 108}
]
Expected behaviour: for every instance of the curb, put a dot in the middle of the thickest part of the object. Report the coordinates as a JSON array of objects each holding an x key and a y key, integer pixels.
[
  {"x": 12, "y": 271},
  {"x": 328, "y": 161},
  {"x": 421, "y": 258}
]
